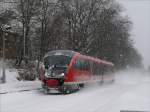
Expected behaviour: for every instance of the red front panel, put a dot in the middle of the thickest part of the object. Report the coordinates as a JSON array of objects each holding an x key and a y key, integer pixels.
[{"x": 52, "y": 83}]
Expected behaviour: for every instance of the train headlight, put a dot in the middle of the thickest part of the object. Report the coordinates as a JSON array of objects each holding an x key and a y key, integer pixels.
[
  {"x": 46, "y": 74},
  {"x": 62, "y": 74}
]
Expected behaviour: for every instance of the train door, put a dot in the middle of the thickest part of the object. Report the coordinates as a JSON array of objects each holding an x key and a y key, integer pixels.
[
  {"x": 97, "y": 71},
  {"x": 108, "y": 73}
]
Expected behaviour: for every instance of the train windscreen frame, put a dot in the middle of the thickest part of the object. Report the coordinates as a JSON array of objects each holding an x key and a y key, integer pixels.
[{"x": 57, "y": 60}]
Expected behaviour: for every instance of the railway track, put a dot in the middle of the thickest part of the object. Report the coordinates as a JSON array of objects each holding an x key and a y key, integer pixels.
[{"x": 16, "y": 91}]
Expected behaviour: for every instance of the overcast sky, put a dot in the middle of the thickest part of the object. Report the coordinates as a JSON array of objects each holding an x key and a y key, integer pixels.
[{"x": 139, "y": 13}]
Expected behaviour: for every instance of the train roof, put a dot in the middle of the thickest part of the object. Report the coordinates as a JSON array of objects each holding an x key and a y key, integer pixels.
[
  {"x": 96, "y": 60},
  {"x": 60, "y": 52},
  {"x": 72, "y": 53}
]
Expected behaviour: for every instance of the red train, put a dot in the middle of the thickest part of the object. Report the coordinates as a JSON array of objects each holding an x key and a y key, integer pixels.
[{"x": 67, "y": 71}]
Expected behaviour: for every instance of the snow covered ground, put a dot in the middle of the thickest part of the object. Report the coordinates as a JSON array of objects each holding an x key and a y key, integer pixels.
[{"x": 130, "y": 91}]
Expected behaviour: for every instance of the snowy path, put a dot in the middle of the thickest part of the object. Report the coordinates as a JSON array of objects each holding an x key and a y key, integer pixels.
[{"x": 130, "y": 91}]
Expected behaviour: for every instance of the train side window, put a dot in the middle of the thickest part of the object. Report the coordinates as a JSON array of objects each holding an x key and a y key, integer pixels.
[
  {"x": 107, "y": 70},
  {"x": 78, "y": 65},
  {"x": 97, "y": 68},
  {"x": 100, "y": 69},
  {"x": 86, "y": 65},
  {"x": 94, "y": 68},
  {"x": 82, "y": 65}
]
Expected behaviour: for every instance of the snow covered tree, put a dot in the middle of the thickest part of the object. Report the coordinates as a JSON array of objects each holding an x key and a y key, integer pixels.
[
  {"x": 96, "y": 28},
  {"x": 26, "y": 11},
  {"x": 92, "y": 27}
]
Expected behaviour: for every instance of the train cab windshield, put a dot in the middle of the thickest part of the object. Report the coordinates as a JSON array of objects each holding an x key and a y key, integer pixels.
[
  {"x": 54, "y": 60},
  {"x": 56, "y": 64}
]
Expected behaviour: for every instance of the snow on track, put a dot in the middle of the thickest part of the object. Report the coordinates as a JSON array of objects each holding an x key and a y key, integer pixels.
[
  {"x": 130, "y": 91},
  {"x": 13, "y": 85}
]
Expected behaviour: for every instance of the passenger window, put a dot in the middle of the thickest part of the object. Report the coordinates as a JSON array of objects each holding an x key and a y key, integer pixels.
[
  {"x": 107, "y": 70},
  {"x": 82, "y": 65},
  {"x": 87, "y": 65},
  {"x": 96, "y": 68},
  {"x": 78, "y": 65}
]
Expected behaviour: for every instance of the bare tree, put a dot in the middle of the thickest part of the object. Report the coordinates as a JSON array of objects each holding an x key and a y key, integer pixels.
[
  {"x": 27, "y": 9},
  {"x": 92, "y": 27}
]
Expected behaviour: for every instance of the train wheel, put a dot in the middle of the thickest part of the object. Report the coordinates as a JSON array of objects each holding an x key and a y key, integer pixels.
[
  {"x": 81, "y": 85},
  {"x": 65, "y": 90}
]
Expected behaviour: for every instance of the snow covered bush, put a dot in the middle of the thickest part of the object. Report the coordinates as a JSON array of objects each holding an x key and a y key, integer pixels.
[{"x": 27, "y": 72}]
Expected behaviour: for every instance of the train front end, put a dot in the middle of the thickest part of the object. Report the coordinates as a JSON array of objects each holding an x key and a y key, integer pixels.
[{"x": 55, "y": 69}]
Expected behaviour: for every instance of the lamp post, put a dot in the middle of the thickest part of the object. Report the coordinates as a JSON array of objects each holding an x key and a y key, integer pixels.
[
  {"x": 4, "y": 28},
  {"x": 3, "y": 60}
]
